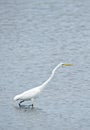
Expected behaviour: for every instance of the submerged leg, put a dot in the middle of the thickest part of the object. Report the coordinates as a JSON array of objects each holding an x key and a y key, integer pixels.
[
  {"x": 20, "y": 103},
  {"x": 32, "y": 105},
  {"x": 32, "y": 102}
]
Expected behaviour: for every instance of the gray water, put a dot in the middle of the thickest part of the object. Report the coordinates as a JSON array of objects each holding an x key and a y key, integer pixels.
[{"x": 36, "y": 35}]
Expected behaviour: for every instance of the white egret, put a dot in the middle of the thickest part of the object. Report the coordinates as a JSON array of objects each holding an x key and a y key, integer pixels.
[{"x": 34, "y": 92}]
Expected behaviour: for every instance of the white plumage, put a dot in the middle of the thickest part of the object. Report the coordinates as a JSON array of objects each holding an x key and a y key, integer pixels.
[
  {"x": 27, "y": 95},
  {"x": 34, "y": 92}
]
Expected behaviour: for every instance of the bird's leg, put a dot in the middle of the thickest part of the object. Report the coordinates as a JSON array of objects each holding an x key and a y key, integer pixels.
[
  {"x": 32, "y": 105},
  {"x": 32, "y": 102},
  {"x": 20, "y": 103}
]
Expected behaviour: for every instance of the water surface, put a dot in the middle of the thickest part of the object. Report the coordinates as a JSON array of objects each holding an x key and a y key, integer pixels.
[{"x": 34, "y": 37}]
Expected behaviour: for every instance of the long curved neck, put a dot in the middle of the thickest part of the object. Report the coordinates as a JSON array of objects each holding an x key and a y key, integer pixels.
[{"x": 51, "y": 76}]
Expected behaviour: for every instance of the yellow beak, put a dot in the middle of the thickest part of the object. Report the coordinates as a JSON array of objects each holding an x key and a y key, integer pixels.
[{"x": 67, "y": 64}]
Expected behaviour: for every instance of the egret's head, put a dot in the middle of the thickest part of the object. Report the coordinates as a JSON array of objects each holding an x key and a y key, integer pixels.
[{"x": 65, "y": 64}]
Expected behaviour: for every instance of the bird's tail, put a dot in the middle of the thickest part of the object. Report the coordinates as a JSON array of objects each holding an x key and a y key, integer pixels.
[{"x": 16, "y": 98}]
